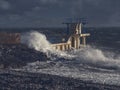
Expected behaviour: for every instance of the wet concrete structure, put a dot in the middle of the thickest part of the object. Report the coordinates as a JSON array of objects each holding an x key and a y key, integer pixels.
[{"x": 74, "y": 38}]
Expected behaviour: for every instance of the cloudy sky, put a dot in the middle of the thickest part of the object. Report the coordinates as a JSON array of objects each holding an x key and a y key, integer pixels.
[{"x": 51, "y": 13}]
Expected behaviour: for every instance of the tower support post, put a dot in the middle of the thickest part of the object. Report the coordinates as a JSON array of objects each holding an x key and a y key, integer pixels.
[{"x": 84, "y": 41}]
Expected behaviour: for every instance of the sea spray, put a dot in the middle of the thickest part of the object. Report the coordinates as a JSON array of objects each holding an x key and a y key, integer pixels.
[
  {"x": 36, "y": 40},
  {"x": 39, "y": 42},
  {"x": 90, "y": 64},
  {"x": 98, "y": 58},
  {"x": 89, "y": 55}
]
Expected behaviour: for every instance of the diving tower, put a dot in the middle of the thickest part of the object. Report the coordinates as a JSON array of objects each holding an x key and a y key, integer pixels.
[{"x": 74, "y": 39}]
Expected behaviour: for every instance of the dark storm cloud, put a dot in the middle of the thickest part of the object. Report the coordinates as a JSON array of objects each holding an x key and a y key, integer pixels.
[
  {"x": 4, "y": 5},
  {"x": 48, "y": 1},
  {"x": 52, "y": 12},
  {"x": 98, "y": 12},
  {"x": 20, "y": 6}
]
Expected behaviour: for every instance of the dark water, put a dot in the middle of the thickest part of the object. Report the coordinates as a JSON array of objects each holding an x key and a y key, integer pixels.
[
  {"x": 106, "y": 37},
  {"x": 98, "y": 64}
]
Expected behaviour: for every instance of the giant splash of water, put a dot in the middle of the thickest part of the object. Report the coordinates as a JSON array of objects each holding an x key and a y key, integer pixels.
[
  {"x": 88, "y": 55},
  {"x": 36, "y": 40},
  {"x": 39, "y": 42},
  {"x": 77, "y": 63}
]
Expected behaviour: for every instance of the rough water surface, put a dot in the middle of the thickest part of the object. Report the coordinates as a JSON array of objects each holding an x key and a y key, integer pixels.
[{"x": 35, "y": 65}]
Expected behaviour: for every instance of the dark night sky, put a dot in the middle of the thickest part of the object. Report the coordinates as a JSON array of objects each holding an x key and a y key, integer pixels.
[{"x": 42, "y": 13}]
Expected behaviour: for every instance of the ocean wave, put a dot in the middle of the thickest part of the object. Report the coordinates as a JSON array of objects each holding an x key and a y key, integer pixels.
[{"x": 87, "y": 64}]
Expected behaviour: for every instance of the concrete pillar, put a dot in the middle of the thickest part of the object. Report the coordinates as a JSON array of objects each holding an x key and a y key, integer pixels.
[
  {"x": 58, "y": 47},
  {"x": 69, "y": 46},
  {"x": 77, "y": 42},
  {"x": 84, "y": 41},
  {"x": 63, "y": 47},
  {"x": 66, "y": 47},
  {"x": 80, "y": 28}
]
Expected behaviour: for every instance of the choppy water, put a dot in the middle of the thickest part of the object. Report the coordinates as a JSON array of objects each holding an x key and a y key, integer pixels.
[{"x": 98, "y": 62}]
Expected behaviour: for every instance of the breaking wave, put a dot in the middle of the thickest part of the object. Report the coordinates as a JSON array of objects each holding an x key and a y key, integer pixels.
[
  {"x": 87, "y": 55},
  {"x": 36, "y": 40},
  {"x": 98, "y": 58},
  {"x": 88, "y": 63},
  {"x": 39, "y": 42}
]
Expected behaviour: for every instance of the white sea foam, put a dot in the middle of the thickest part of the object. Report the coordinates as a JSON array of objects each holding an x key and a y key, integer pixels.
[
  {"x": 76, "y": 64},
  {"x": 98, "y": 58},
  {"x": 36, "y": 40},
  {"x": 39, "y": 42}
]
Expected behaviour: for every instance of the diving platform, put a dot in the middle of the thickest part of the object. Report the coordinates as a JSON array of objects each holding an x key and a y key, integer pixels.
[{"x": 75, "y": 38}]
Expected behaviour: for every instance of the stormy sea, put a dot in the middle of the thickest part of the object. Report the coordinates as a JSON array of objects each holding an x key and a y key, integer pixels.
[{"x": 34, "y": 65}]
